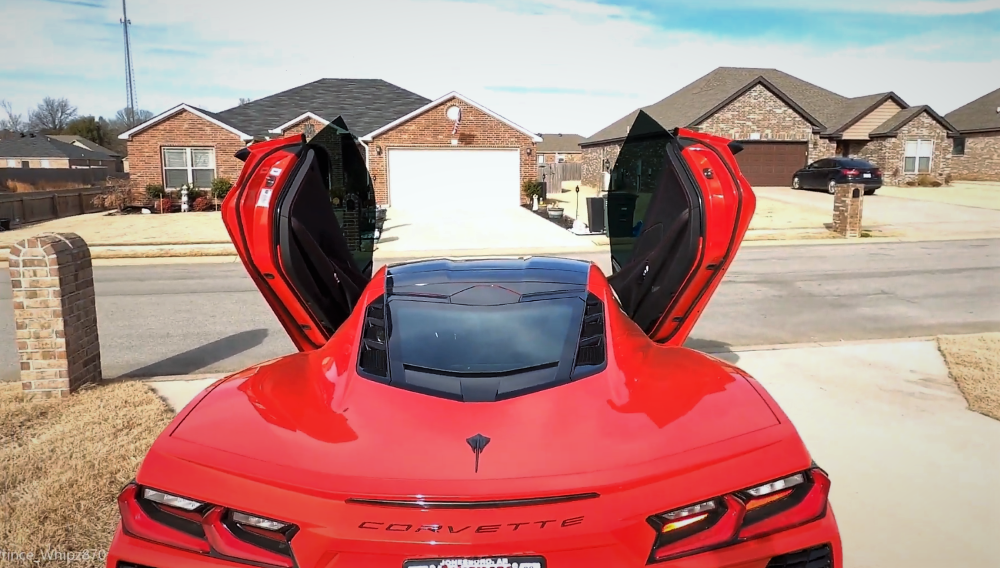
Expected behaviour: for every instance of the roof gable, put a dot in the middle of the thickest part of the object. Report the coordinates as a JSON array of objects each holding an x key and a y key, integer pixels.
[
  {"x": 700, "y": 99},
  {"x": 891, "y": 127},
  {"x": 981, "y": 115},
  {"x": 855, "y": 109},
  {"x": 364, "y": 104},
  {"x": 298, "y": 119},
  {"x": 434, "y": 104},
  {"x": 203, "y": 114}
]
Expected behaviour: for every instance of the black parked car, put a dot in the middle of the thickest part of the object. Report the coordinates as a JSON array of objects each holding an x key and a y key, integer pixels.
[{"x": 828, "y": 172}]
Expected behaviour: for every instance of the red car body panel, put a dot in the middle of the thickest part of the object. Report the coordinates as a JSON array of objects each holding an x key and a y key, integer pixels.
[{"x": 661, "y": 427}]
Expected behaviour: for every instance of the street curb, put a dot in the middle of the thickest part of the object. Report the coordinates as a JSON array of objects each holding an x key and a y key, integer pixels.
[
  {"x": 226, "y": 251},
  {"x": 813, "y": 344},
  {"x": 165, "y": 378}
]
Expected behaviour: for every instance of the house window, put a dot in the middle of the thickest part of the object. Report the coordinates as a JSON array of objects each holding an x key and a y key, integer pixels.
[
  {"x": 917, "y": 159},
  {"x": 541, "y": 158},
  {"x": 188, "y": 165},
  {"x": 11, "y": 163},
  {"x": 958, "y": 147},
  {"x": 45, "y": 164}
]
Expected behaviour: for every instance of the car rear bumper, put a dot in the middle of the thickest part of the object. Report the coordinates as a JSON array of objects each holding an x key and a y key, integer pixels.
[
  {"x": 869, "y": 183},
  {"x": 127, "y": 551}
]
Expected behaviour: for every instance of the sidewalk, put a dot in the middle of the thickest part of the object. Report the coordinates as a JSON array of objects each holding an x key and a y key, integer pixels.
[
  {"x": 891, "y": 428},
  {"x": 201, "y": 237}
]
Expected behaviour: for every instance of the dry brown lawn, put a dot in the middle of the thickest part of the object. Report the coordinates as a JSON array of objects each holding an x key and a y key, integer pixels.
[
  {"x": 974, "y": 363},
  {"x": 985, "y": 195},
  {"x": 62, "y": 464}
]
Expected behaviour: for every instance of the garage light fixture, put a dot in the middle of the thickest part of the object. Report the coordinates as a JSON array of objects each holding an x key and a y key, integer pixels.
[
  {"x": 378, "y": 150},
  {"x": 528, "y": 151}
]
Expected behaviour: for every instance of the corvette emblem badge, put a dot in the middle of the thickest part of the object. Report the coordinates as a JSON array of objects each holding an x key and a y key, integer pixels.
[{"x": 478, "y": 444}]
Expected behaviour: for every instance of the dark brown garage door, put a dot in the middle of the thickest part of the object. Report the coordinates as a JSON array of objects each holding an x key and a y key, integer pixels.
[{"x": 771, "y": 163}]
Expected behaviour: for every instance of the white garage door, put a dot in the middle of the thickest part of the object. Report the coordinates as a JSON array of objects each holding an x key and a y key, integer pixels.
[{"x": 437, "y": 178}]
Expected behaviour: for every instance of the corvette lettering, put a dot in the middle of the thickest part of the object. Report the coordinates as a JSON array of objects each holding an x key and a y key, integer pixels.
[{"x": 460, "y": 529}]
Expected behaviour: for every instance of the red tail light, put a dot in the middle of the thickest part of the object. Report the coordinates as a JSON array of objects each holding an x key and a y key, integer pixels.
[
  {"x": 804, "y": 503},
  {"x": 221, "y": 535},
  {"x": 752, "y": 513},
  {"x": 878, "y": 172},
  {"x": 686, "y": 531},
  {"x": 204, "y": 528},
  {"x": 851, "y": 173}
]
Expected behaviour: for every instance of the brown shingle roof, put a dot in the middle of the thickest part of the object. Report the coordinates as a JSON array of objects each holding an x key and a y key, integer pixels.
[
  {"x": 903, "y": 117},
  {"x": 691, "y": 105},
  {"x": 561, "y": 143},
  {"x": 979, "y": 115}
]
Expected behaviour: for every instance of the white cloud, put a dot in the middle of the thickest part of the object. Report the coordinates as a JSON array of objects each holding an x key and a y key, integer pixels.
[
  {"x": 432, "y": 47},
  {"x": 914, "y": 7}
]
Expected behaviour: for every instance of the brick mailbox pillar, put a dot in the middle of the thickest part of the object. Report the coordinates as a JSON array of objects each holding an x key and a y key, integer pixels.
[
  {"x": 54, "y": 313},
  {"x": 847, "y": 204}
]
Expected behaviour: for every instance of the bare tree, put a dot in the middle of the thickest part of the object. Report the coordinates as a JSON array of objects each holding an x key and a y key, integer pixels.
[
  {"x": 13, "y": 122},
  {"x": 127, "y": 118},
  {"x": 244, "y": 100},
  {"x": 52, "y": 115}
]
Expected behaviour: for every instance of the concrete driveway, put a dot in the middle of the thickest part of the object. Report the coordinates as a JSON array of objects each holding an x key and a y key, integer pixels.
[
  {"x": 409, "y": 231},
  {"x": 914, "y": 471},
  {"x": 914, "y": 218}
]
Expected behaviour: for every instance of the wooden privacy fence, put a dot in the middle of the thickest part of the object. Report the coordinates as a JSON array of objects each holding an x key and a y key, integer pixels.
[
  {"x": 81, "y": 177},
  {"x": 553, "y": 175},
  {"x": 35, "y": 206}
]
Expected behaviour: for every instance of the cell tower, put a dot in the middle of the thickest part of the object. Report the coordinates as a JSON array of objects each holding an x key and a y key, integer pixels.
[{"x": 133, "y": 104}]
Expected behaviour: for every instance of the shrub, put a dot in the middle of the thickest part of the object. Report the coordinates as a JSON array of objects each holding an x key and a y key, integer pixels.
[
  {"x": 116, "y": 195},
  {"x": 221, "y": 187},
  {"x": 195, "y": 194},
  {"x": 948, "y": 178},
  {"x": 533, "y": 188},
  {"x": 155, "y": 191},
  {"x": 925, "y": 180},
  {"x": 936, "y": 183},
  {"x": 202, "y": 204},
  {"x": 164, "y": 204},
  {"x": 911, "y": 183}
]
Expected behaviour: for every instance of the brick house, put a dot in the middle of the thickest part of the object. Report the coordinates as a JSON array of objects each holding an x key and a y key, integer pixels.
[
  {"x": 976, "y": 152},
  {"x": 81, "y": 142},
  {"x": 555, "y": 148},
  {"x": 40, "y": 151},
  {"x": 187, "y": 144},
  {"x": 785, "y": 123},
  {"x": 449, "y": 151}
]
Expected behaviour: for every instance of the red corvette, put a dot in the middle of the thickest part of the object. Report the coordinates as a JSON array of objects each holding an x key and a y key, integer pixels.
[{"x": 483, "y": 413}]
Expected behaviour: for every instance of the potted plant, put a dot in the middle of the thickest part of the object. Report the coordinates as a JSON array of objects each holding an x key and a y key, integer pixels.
[
  {"x": 220, "y": 188},
  {"x": 555, "y": 213}
]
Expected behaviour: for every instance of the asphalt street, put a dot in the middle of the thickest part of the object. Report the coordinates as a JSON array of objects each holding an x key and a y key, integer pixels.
[{"x": 207, "y": 318}]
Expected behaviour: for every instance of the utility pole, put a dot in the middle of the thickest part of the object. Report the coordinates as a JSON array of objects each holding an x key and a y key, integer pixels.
[{"x": 132, "y": 100}]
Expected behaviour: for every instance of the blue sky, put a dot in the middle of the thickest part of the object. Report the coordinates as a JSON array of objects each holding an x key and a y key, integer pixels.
[{"x": 549, "y": 65}]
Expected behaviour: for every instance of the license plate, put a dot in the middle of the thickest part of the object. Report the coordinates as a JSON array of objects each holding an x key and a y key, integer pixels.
[
  {"x": 867, "y": 175},
  {"x": 486, "y": 562}
]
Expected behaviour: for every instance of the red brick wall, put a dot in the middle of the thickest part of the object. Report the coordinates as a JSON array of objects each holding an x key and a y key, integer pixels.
[
  {"x": 433, "y": 130},
  {"x": 300, "y": 127},
  {"x": 184, "y": 129}
]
